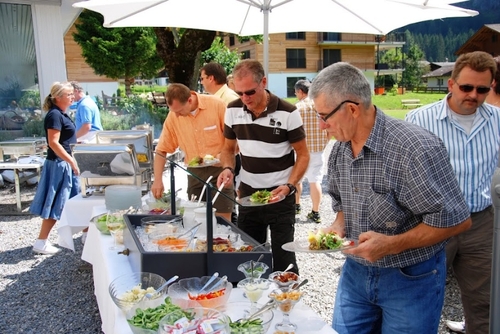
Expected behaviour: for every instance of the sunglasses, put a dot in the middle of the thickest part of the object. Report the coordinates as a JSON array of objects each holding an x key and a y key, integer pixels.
[
  {"x": 324, "y": 118},
  {"x": 247, "y": 93},
  {"x": 469, "y": 88}
]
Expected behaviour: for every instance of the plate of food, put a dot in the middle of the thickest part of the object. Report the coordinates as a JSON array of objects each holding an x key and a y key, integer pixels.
[
  {"x": 259, "y": 198},
  {"x": 207, "y": 160},
  {"x": 319, "y": 242}
]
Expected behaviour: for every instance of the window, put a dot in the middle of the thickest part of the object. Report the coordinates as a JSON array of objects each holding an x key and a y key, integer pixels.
[
  {"x": 245, "y": 54},
  {"x": 332, "y": 36},
  {"x": 296, "y": 35},
  {"x": 331, "y": 56},
  {"x": 231, "y": 40},
  {"x": 295, "y": 58},
  {"x": 440, "y": 82},
  {"x": 494, "y": 38},
  {"x": 290, "y": 85}
]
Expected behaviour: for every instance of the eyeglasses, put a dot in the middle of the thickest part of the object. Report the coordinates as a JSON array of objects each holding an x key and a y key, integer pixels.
[
  {"x": 324, "y": 118},
  {"x": 469, "y": 88},
  {"x": 248, "y": 92}
]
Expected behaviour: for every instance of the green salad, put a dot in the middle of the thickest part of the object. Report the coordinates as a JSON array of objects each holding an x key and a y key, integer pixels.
[{"x": 261, "y": 196}]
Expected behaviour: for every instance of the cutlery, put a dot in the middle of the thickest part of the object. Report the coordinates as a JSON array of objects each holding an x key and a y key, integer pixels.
[
  {"x": 204, "y": 187},
  {"x": 290, "y": 266},
  {"x": 269, "y": 305},
  {"x": 191, "y": 229},
  {"x": 150, "y": 295},
  {"x": 304, "y": 282},
  {"x": 260, "y": 257},
  {"x": 214, "y": 276},
  {"x": 218, "y": 192}
]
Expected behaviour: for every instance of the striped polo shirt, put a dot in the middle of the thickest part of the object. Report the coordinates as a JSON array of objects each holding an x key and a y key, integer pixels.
[
  {"x": 473, "y": 156},
  {"x": 267, "y": 156}
]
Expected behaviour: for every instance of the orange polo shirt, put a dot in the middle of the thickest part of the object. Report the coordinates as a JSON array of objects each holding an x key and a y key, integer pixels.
[{"x": 196, "y": 135}]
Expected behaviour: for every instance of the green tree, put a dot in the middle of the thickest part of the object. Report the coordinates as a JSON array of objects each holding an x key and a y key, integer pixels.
[
  {"x": 221, "y": 54},
  {"x": 117, "y": 52},
  {"x": 180, "y": 51},
  {"x": 412, "y": 75}
]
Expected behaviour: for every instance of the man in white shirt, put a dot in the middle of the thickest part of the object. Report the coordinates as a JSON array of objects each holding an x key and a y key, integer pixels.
[{"x": 213, "y": 78}]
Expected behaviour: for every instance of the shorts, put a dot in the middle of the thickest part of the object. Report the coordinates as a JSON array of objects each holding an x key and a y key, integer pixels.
[
  {"x": 314, "y": 172},
  {"x": 222, "y": 204}
]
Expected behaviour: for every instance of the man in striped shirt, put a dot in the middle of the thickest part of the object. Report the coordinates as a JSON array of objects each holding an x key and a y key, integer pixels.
[
  {"x": 268, "y": 131},
  {"x": 470, "y": 131}
]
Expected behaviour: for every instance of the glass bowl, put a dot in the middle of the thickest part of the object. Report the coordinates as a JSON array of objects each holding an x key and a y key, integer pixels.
[
  {"x": 100, "y": 223},
  {"x": 167, "y": 225},
  {"x": 184, "y": 293},
  {"x": 127, "y": 290},
  {"x": 211, "y": 320},
  {"x": 171, "y": 242},
  {"x": 254, "y": 287},
  {"x": 259, "y": 269},
  {"x": 238, "y": 310},
  {"x": 284, "y": 279}
]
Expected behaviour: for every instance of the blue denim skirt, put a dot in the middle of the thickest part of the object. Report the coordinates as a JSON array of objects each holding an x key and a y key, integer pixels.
[{"x": 57, "y": 184}]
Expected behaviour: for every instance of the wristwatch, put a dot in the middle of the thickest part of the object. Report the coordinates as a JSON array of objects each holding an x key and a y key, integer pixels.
[
  {"x": 230, "y": 169},
  {"x": 292, "y": 189}
]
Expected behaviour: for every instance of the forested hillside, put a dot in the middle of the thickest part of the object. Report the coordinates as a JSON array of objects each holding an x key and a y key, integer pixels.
[{"x": 439, "y": 39}]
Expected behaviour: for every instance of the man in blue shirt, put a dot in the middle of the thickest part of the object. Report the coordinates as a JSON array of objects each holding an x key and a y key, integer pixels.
[
  {"x": 395, "y": 193},
  {"x": 470, "y": 131},
  {"x": 87, "y": 116}
]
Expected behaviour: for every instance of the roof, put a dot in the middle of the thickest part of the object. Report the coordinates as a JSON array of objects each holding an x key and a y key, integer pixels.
[
  {"x": 482, "y": 41},
  {"x": 444, "y": 71}
]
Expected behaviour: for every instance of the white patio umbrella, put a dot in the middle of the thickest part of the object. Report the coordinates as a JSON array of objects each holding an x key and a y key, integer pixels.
[{"x": 264, "y": 17}]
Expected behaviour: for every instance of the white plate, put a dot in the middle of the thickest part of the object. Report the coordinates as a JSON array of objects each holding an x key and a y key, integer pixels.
[
  {"x": 210, "y": 162},
  {"x": 245, "y": 201},
  {"x": 302, "y": 245}
]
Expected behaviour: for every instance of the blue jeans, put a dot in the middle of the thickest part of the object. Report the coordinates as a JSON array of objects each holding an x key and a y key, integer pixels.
[{"x": 390, "y": 300}]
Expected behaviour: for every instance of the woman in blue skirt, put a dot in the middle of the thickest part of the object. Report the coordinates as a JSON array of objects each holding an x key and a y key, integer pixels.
[{"x": 59, "y": 178}]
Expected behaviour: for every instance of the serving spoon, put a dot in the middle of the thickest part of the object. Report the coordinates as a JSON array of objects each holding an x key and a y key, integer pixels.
[
  {"x": 214, "y": 276},
  {"x": 150, "y": 295}
]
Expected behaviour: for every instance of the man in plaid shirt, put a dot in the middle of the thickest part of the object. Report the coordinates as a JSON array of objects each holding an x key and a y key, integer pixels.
[{"x": 316, "y": 140}]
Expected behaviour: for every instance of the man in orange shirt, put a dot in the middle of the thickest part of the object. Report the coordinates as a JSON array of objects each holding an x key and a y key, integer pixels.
[{"x": 194, "y": 124}]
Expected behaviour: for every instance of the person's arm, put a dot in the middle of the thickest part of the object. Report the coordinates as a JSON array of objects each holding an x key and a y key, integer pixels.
[
  {"x": 373, "y": 246},
  {"x": 84, "y": 129},
  {"x": 53, "y": 136},
  {"x": 158, "y": 168},
  {"x": 227, "y": 160},
  {"x": 298, "y": 170},
  {"x": 338, "y": 225}
]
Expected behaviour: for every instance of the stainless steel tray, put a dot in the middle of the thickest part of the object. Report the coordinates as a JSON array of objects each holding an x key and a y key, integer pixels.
[{"x": 141, "y": 139}]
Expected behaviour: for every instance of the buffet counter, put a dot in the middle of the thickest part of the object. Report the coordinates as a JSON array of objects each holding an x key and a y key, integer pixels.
[{"x": 107, "y": 265}]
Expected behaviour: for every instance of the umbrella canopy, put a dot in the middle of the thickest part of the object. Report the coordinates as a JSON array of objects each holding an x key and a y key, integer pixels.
[{"x": 264, "y": 17}]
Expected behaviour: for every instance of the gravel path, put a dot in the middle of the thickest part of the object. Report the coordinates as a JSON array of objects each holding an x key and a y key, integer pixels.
[{"x": 49, "y": 294}]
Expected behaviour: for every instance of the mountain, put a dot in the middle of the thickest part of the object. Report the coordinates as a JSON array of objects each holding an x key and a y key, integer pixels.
[{"x": 439, "y": 39}]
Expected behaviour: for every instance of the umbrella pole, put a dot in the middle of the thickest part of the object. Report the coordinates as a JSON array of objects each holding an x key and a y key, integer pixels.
[
  {"x": 495, "y": 265},
  {"x": 266, "y": 37}
]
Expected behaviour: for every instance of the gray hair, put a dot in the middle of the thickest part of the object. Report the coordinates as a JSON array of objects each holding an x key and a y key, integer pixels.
[
  {"x": 341, "y": 81},
  {"x": 303, "y": 85}
]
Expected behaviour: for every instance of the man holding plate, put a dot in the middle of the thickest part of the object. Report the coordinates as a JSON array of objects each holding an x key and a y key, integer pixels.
[
  {"x": 395, "y": 193},
  {"x": 268, "y": 132}
]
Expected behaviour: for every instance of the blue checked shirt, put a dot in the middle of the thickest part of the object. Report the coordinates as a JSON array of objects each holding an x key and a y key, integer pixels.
[
  {"x": 400, "y": 179},
  {"x": 473, "y": 156}
]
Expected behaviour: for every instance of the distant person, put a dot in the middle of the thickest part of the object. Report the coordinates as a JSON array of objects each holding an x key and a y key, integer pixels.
[
  {"x": 316, "y": 139},
  {"x": 88, "y": 117},
  {"x": 268, "y": 131},
  {"x": 395, "y": 193},
  {"x": 493, "y": 96},
  {"x": 59, "y": 177},
  {"x": 213, "y": 78},
  {"x": 194, "y": 124},
  {"x": 230, "y": 81},
  {"x": 470, "y": 130}
]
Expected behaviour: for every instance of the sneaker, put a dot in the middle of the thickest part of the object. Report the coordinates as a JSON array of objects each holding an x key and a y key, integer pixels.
[
  {"x": 297, "y": 209},
  {"x": 314, "y": 216},
  {"x": 456, "y": 326},
  {"x": 84, "y": 237},
  {"x": 44, "y": 247}
]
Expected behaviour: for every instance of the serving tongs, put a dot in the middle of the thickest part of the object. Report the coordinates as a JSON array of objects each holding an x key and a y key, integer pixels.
[{"x": 268, "y": 306}]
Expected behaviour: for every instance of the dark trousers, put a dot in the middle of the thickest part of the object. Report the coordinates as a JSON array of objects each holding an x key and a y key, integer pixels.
[{"x": 280, "y": 218}]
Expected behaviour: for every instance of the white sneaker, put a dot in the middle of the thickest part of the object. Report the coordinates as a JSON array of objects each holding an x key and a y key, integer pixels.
[
  {"x": 456, "y": 326},
  {"x": 84, "y": 237},
  {"x": 44, "y": 247}
]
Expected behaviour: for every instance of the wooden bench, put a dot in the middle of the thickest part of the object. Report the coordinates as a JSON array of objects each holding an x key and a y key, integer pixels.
[
  {"x": 415, "y": 103},
  {"x": 109, "y": 102},
  {"x": 159, "y": 100}
]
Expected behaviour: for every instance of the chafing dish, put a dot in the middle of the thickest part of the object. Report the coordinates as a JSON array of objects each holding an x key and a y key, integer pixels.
[
  {"x": 141, "y": 139},
  {"x": 106, "y": 164},
  {"x": 24, "y": 146}
]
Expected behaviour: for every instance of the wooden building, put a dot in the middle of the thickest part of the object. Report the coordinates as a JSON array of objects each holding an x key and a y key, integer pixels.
[{"x": 485, "y": 39}]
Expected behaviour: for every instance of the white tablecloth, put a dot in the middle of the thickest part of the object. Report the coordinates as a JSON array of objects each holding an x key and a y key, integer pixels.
[
  {"x": 107, "y": 265},
  {"x": 76, "y": 216}
]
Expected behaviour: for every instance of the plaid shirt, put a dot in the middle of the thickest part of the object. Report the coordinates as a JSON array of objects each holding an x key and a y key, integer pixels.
[
  {"x": 401, "y": 178},
  {"x": 316, "y": 139}
]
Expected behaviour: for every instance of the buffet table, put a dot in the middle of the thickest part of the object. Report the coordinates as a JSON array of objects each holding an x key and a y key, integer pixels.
[
  {"x": 107, "y": 265},
  {"x": 17, "y": 168}
]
